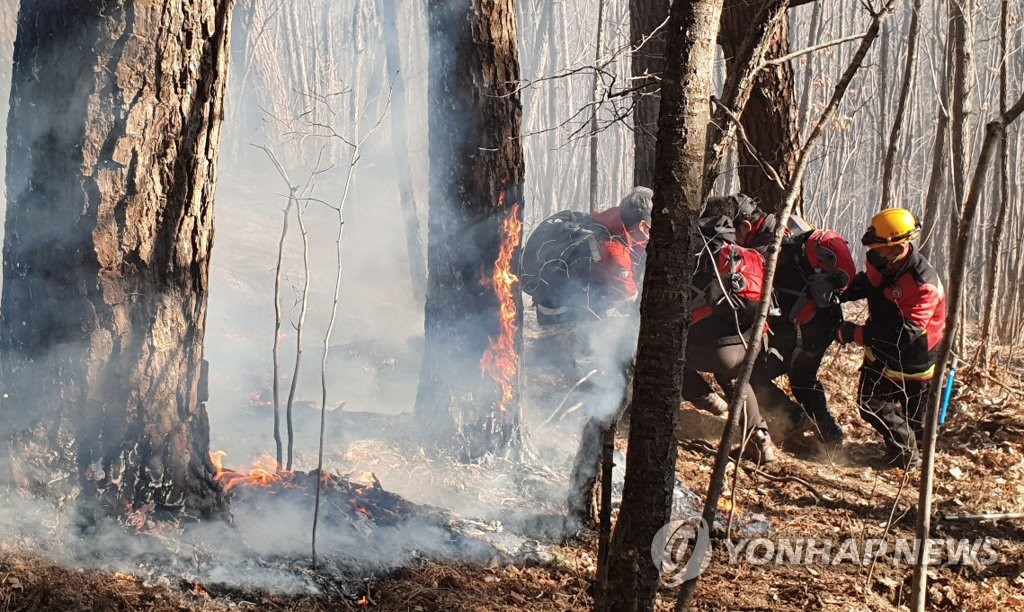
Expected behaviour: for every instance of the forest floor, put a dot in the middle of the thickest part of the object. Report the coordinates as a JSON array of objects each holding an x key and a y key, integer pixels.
[{"x": 805, "y": 494}]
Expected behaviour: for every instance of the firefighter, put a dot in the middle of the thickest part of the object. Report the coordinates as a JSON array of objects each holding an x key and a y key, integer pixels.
[
  {"x": 722, "y": 325},
  {"x": 906, "y": 321},
  {"x": 814, "y": 268},
  {"x": 580, "y": 267}
]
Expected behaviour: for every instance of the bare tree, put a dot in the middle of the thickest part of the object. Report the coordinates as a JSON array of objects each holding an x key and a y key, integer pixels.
[
  {"x": 664, "y": 322},
  {"x": 901, "y": 108},
  {"x": 992, "y": 280},
  {"x": 115, "y": 120},
  {"x": 994, "y": 131},
  {"x": 400, "y": 147}
]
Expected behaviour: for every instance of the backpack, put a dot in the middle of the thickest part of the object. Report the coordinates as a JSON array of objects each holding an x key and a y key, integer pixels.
[
  {"x": 560, "y": 254},
  {"x": 729, "y": 279}
]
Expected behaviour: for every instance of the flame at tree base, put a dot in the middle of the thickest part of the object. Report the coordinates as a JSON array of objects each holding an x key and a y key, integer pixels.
[{"x": 501, "y": 359}]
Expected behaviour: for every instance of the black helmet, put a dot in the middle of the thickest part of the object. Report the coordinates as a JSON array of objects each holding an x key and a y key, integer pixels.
[
  {"x": 636, "y": 206},
  {"x": 738, "y": 207}
]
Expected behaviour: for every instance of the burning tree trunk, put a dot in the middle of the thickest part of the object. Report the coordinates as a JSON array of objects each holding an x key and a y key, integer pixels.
[
  {"x": 768, "y": 118},
  {"x": 664, "y": 321},
  {"x": 468, "y": 392},
  {"x": 115, "y": 120}
]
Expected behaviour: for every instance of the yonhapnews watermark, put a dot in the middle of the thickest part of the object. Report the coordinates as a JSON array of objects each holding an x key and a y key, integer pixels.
[{"x": 682, "y": 551}]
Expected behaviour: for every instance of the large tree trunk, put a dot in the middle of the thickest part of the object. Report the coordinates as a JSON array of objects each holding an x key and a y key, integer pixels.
[
  {"x": 648, "y": 62},
  {"x": 664, "y": 321},
  {"x": 115, "y": 120},
  {"x": 476, "y": 178},
  {"x": 769, "y": 117}
]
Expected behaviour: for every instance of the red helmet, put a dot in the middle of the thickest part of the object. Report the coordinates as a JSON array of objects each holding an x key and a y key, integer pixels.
[{"x": 829, "y": 254}]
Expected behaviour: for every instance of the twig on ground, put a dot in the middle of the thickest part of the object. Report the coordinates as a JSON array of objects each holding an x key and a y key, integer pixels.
[
  {"x": 565, "y": 399},
  {"x": 818, "y": 495}
]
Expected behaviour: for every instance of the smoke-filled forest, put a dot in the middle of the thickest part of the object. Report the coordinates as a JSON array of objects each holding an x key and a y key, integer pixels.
[{"x": 512, "y": 305}]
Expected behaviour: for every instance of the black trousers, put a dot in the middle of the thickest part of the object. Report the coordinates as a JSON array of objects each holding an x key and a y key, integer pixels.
[
  {"x": 724, "y": 362},
  {"x": 895, "y": 408},
  {"x": 798, "y": 353}
]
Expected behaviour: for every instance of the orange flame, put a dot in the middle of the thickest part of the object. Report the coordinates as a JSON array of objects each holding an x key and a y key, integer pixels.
[
  {"x": 264, "y": 472},
  {"x": 725, "y": 504},
  {"x": 500, "y": 360}
]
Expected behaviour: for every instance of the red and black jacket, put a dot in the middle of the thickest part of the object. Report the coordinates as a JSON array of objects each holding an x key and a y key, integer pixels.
[
  {"x": 615, "y": 271},
  {"x": 906, "y": 317}
]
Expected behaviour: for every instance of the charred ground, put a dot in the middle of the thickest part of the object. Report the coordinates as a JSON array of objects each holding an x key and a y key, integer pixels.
[{"x": 805, "y": 494}]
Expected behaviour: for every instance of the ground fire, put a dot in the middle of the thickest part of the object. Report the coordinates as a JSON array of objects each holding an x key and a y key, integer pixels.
[{"x": 360, "y": 496}]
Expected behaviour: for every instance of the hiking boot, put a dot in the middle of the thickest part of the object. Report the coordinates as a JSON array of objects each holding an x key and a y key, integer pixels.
[
  {"x": 905, "y": 458},
  {"x": 829, "y": 431},
  {"x": 712, "y": 403},
  {"x": 760, "y": 448}
]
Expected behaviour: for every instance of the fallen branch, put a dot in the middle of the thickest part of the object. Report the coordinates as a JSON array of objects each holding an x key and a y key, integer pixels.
[
  {"x": 986, "y": 516},
  {"x": 785, "y": 478},
  {"x": 565, "y": 399}
]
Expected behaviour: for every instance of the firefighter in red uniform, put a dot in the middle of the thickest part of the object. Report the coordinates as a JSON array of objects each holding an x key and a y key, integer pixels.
[
  {"x": 580, "y": 267},
  {"x": 815, "y": 267},
  {"x": 906, "y": 319}
]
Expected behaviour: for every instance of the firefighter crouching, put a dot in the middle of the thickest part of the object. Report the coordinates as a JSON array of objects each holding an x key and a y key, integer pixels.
[
  {"x": 815, "y": 267},
  {"x": 906, "y": 320},
  {"x": 728, "y": 284},
  {"x": 580, "y": 267}
]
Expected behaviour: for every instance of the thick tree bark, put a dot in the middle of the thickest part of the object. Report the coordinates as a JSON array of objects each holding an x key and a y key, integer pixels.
[
  {"x": 644, "y": 18},
  {"x": 739, "y": 84},
  {"x": 664, "y": 321},
  {"x": 769, "y": 117},
  {"x": 476, "y": 177},
  {"x": 115, "y": 120}
]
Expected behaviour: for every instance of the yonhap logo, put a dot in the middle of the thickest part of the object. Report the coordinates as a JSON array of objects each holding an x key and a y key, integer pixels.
[{"x": 681, "y": 550}]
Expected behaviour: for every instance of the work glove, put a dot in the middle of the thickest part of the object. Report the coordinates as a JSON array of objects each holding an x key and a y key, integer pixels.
[{"x": 845, "y": 333}]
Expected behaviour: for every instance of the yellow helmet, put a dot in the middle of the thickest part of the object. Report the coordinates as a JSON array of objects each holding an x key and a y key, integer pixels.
[{"x": 890, "y": 227}]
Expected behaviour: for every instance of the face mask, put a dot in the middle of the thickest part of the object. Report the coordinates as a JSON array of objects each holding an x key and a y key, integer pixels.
[{"x": 876, "y": 259}]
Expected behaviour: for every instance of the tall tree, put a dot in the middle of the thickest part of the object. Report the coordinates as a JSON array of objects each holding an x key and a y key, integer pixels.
[
  {"x": 664, "y": 320},
  {"x": 476, "y": 177},
  {"x": 400, "y": 147},
  {"x": 648, "y": 61},
  {"x": 115, "y": 118},
  {"x": 769, "y": 116}
]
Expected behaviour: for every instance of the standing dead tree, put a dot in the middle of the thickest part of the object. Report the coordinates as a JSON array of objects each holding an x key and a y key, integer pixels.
[{"x": 114, "y": 130}]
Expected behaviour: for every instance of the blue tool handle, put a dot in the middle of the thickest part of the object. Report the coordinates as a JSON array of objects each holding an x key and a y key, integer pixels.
[{"x": 948, "y": 393}]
